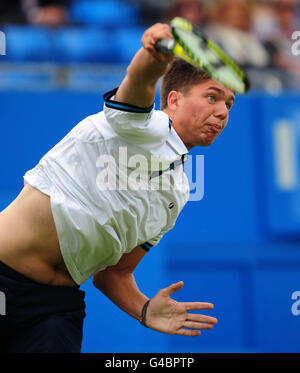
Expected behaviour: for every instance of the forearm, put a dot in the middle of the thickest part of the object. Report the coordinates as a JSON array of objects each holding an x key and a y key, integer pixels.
[
  {"x": 122, "y": 290},
  {"x": 138, "y": 87},
  {"x": 147, "y": 66},
  {"x": 144, "y": 69}
]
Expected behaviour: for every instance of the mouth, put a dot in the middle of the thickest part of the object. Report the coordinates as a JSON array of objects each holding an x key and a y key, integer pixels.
[{"x": 214, "y": 128}]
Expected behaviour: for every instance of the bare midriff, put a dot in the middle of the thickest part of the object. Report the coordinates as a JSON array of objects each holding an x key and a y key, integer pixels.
[{"x": 28, "y": 239}]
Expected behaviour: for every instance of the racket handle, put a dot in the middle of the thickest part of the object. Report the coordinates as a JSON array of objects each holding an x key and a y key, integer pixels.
[{"x": 165, "y": 46}]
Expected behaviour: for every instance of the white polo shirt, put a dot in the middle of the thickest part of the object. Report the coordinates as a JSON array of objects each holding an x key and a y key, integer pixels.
[{"x": 115, "y": 181}]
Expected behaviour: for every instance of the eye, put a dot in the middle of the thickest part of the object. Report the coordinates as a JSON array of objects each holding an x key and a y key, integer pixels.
[
  {"x": 229, "y": 106},
  {"x": 211, "y": 98}
]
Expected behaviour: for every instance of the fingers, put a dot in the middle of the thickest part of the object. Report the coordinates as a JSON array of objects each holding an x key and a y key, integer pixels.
[
  {"x": 194, "y": 321},
  {"x": 189, "y": 333},
  {"x": 172, "y": 288},
  {"x": 155, "y": 33},
  {"x": 197, "y": 325},
  {"x": 198, "y": 306},
  {"x": 158, "y": 55},
  {"x": 191, "y": 328},
  {"x": 152, "y": 35},
  {"x": 201, "y": 318}
]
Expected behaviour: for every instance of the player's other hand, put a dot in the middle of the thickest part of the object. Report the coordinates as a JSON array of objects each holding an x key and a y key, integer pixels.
[
  {"x": 168, "y": 316},
  {"x": 152, "y": 35}
]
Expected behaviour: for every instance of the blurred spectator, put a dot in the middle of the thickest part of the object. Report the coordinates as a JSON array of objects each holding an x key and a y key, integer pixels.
[
  {"x": 265, "y": 20},
  {"x": 281, "y": 39},
  {"x": 40, "y": 12},
  {"x": 230, "y": 24},
  {"x": 50, "y": 13},
  {"x": 231, "y": 27},
  {"x": 192, "y": 10}
]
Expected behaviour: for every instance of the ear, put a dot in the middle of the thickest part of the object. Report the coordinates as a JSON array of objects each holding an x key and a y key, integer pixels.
[{"x": 173, "y": 100}]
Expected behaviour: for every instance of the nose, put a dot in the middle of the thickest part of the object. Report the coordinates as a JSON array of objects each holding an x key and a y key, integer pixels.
[{"x": 221, "y": 111}]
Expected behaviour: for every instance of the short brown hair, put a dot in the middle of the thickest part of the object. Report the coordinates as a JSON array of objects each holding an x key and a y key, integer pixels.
[{"x": 181, "y": 76}]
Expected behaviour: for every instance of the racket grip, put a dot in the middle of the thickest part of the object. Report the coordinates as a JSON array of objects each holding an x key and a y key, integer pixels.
[{"x": 165, "y": 46}]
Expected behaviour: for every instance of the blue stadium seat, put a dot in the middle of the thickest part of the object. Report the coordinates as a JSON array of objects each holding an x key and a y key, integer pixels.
[
  {"x": 97, "y": 80},
  {"x": 128, "y": 41},
  {"x": 23, "y": 79},
  {"x": 84, "y": 44},
  {"x": 28, "y": 43},
  {"x": 104, "y": 13}
]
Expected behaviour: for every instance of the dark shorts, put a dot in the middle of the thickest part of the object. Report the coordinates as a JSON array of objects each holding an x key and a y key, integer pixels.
[{"x": 39, "y": 318}]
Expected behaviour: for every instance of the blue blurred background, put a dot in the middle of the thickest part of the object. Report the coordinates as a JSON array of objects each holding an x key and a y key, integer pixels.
[{"x": 239, "y": 247}]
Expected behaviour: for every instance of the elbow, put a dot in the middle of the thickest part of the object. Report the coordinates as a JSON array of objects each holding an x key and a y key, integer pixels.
[
  {"x": 99, "y": 280},
  {"x": 108, "y": 277}
]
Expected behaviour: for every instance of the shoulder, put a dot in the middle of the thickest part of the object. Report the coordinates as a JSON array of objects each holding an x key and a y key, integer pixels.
[
  {"x": 93, "y": 128},
  {"x": 135, "y": 124}
]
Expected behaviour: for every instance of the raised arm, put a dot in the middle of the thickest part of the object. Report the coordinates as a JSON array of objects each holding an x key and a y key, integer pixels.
[{"x": 147, "y": 66}]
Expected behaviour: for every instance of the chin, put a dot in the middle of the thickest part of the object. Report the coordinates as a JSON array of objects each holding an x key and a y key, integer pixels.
[{"x": 206, "y": 142}]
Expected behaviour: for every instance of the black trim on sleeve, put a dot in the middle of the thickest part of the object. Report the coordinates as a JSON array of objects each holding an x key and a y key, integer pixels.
[
  {"x": 122, "y": 106},
  {"x": 146, "y": 246}
]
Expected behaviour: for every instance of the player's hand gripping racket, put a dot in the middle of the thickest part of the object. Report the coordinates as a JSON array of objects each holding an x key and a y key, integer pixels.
[{"x": 190, "y": 44}]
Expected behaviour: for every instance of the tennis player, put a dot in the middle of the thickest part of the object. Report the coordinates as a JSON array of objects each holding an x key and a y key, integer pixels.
[{"x": 66, "y": 225}]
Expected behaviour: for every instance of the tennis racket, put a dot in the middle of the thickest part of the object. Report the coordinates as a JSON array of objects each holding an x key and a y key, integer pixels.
[{"x": 190, "y": 44}]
